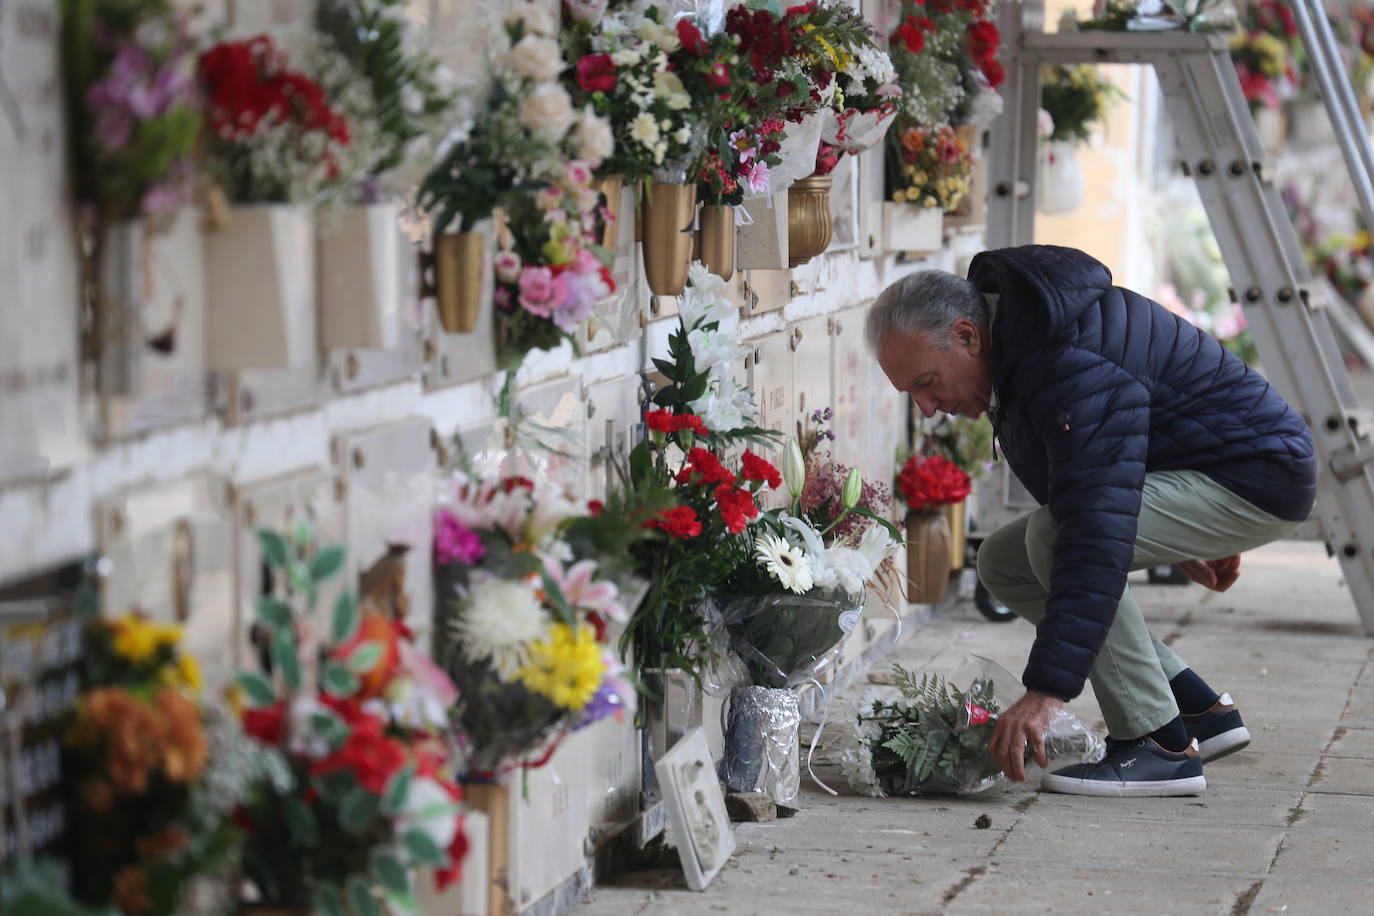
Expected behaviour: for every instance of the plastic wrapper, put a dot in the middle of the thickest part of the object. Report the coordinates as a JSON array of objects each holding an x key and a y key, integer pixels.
[
  {"x": 761, "y": 752},
  {"x": 782, "y": 638},
  {"x": 855, "y": 131},
  {"x": 932, "y": 738}
]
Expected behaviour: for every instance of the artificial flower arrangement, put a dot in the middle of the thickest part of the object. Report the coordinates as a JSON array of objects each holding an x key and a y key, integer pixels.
[
  {"x": 531, "y": 155},
  {"x": 134, "y": 110},
  {"x": 932, "y": 737},
  {"x": 867, "y": 100},
  {"x": 363, "y": 793},
  {"x": 1077, "y": 99},
  {"x": 694, "y": 508},
  {"x": 656, "y": 84},
  {"x": 741, "y": 164},
  {"x": 405, "y": 102},
  {"x": 525, "y": 622},
  {"x": 273, "y": 135},
  {"x": 796, "y": 63},
  {"x": 1153, "y": 15},
  {"x": 154, "y": 773},
  {"x": 928, "y": 166},
  {"x": 945, "y": 55},
  {"x": 931, "y": 481}
]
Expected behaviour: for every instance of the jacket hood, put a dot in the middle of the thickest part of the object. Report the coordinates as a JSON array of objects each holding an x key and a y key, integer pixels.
[{"x": 1062, "y": 282}]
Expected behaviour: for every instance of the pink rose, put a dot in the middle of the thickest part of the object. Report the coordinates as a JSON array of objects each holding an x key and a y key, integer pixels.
[
  {"x": 507, "y": 266},
  {"x": 541, "y": 292},
  {"x": 577, "y": 172}
]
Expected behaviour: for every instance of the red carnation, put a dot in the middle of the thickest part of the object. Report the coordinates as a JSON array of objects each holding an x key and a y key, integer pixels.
[
  {"x": 992, "y": 69},
  {"x": 911, "y": 36},
  {"x": 660, "y": 421},
  {"x": 594, "y": 507},
  {"x": 718, "y": 75},
  {"x": 690, "y": 36},
  {"x": 704, "y": 468},
  {"x": 266, "y": 723},
  {"x": 596, "y": 73},
  {"x": 371, "y": 757},
  {"x": 680, "y": 522},
  {"x": 736, "y": 507},
  {"x": 929, "y": 482},
  {"x": 690, "y": 422},
  {"x": 756, "y": 468}
]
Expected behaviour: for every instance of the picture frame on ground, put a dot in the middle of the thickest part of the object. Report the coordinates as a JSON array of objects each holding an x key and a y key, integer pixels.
[{"x": 697, "y": 823}]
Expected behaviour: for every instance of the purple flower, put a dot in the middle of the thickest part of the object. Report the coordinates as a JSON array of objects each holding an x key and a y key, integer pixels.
[
  {"x": 606, "y": 702},
  {"x": 453, "y": 542}
]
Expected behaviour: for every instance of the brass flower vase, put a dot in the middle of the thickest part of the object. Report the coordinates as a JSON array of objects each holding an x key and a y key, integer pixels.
[
  {"x": 668, "y": 216},
  {"x": 809, "y": 227},
  {"x": 927, "y": 556},
  {"x": 716, "y": 240},
  {"x": 458, "y": 264},
  {"x": 609, "y": 188},
  {"x": 956, "y": 514}
]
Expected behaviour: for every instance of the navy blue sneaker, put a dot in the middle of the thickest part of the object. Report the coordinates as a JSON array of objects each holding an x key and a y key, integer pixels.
[
  {"x": 1219, "y": 731},
  {"x": 1132, "y": 769}
]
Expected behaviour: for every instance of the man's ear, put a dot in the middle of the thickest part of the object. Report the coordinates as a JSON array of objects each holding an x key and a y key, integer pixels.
[{"x": 967, "y": 336}]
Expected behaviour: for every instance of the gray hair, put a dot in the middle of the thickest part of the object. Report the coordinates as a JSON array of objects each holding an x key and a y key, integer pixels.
[{"x": 926, "y": 302}]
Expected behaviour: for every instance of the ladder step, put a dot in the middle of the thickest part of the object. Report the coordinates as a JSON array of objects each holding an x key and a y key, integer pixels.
[{"x": 1115, "y": 47}]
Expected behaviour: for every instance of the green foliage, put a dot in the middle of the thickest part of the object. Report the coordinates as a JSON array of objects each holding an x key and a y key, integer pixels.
[
  {"x": 928, "y": 743},
  {"x": 1077, "y": 98},
  {"x": 409, "y": 102},
  {"x": 31, "y": 887}
]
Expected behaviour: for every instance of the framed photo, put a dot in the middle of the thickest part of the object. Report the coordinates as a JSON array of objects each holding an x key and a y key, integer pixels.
[{"x": 697, "y": 823}]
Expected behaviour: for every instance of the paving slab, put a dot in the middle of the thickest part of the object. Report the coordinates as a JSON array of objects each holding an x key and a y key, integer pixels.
[
  {"x": 1330, "y": 811},
  {"x": 1223, "y": 804},
  {"x": 1091, "y": 889},
  {"x": 1315, "y": 895},
  {"x": 1352, "y": 742},
  {"x": 1185, "y": 847},
  {"x": 1344, "y": 775}
]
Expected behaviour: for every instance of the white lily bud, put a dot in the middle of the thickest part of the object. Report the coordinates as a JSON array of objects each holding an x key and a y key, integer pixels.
[
  {"x": 853, "y": 489},
  {"x": 793, "y": 469}
]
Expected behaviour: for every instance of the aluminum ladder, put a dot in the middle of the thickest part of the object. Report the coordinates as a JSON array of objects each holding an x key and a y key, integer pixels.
[{"x": 1219, "y": 147}]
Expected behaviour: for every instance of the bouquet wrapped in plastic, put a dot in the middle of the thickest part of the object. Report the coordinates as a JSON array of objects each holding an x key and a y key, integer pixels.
[
  {"x": 784, "y": 638},
  {"x": 933, "y": 737}
]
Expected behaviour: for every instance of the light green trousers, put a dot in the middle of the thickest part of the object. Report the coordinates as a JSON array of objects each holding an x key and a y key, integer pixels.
[{"x": 1184, "y": 515}]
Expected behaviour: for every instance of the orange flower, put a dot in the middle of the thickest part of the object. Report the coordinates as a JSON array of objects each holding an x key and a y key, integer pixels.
[
  {"x": 183, "y": 745},
  {"x": 131, "y": 890},
  {"x": 163, "y": 843}
]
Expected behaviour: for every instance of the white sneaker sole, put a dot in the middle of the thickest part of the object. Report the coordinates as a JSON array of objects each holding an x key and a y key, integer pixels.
[
  {"x": 1228, "y": 742},
  {"x": 1102, "y": 788}
]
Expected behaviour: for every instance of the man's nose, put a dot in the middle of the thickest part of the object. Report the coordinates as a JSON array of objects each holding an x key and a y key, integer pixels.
[{"x": 926, "y": 403}]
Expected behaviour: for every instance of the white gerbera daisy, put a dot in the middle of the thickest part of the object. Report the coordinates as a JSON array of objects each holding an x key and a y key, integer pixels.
[
  {"x": 499, "y": 621},
  {"x": 784, "y": 562}
]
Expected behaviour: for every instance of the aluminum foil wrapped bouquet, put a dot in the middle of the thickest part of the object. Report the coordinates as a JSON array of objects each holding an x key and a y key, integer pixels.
[
  {"x": 787, "y": 616},
  {"x": 932, "y": 738}
]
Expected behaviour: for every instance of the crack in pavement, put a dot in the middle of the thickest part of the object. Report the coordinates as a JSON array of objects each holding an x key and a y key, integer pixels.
[
  {"x": 973, "y": 875},
  {"x": 1246, "y": 899}
]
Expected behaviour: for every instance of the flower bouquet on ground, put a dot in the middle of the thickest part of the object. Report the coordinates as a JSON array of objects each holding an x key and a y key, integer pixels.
[
  {"x": 524, "y": 625},
  {"x": 932, "y": 738},
  {"x": 154, "y": 774},
  {"x": 787, "y": 614},
  {"x": 362, "y": 794}
]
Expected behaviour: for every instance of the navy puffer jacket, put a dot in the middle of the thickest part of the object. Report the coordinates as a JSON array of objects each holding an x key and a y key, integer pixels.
[{"x": 1095, "y": 386}]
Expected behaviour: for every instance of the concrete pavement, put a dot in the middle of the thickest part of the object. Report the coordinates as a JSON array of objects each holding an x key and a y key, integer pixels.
[{"x": 1286, "y": 825}]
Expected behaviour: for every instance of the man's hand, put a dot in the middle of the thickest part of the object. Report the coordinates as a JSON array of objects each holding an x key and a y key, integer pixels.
[
  {"x": 1218, "y": 575},
  {"x": 1025, "y": 723}
]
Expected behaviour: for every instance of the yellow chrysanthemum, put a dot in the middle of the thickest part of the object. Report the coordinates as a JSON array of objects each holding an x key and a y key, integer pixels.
[
  {"x": 189, "y": 671},
  {"x": 565, "y": 666},
  {"x": 134, "y": 638}
]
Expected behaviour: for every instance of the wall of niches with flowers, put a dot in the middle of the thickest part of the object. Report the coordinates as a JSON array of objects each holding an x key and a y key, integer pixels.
[{"x": 240, "y": 292}]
